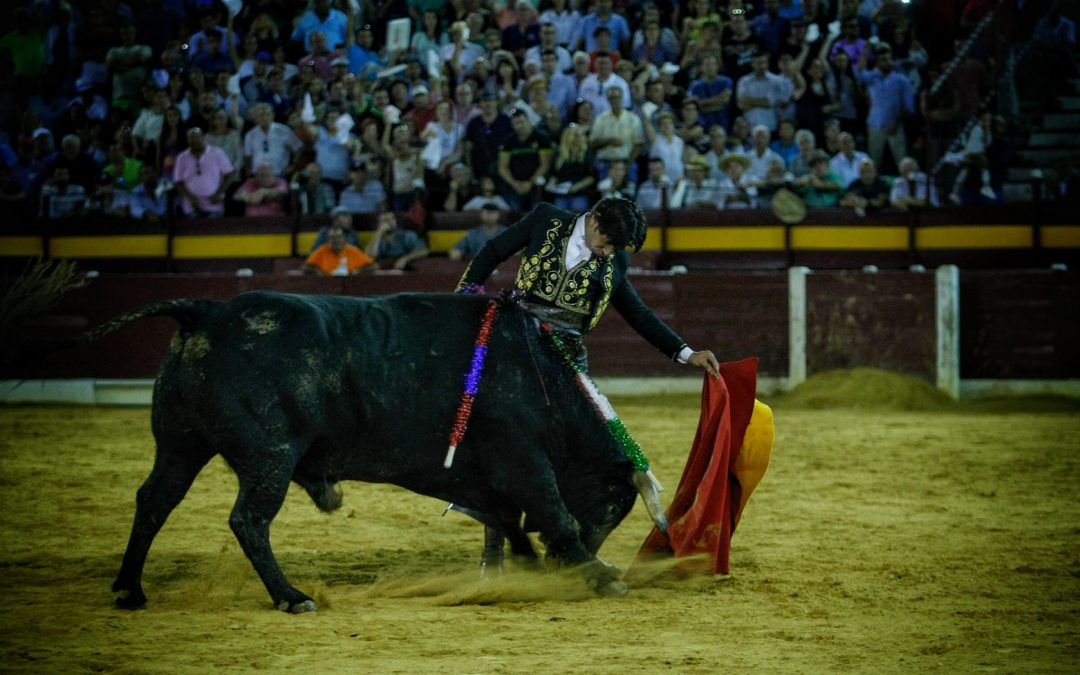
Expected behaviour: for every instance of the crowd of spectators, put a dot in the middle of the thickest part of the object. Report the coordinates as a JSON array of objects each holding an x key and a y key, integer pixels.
[{"x": 261, "y": 107}]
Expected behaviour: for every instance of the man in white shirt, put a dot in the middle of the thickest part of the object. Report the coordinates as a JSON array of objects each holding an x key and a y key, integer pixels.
[
  {"x": 760, "y": 154},
  {"x": 269, "y": 142},
  {"x": 845, "y": 164},
  {"x": 910, "y": 188},
  {"x": 147, "y": 128},
  {"x": 547, "y": 41},
  {"x": 761, "y": 93},
  {"x": 617, "y": 133},
  {"x": 592, "y": 88}
]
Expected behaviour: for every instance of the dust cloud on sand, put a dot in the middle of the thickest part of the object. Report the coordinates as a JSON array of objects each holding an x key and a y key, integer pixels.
[{"x": 900, "y": 537}]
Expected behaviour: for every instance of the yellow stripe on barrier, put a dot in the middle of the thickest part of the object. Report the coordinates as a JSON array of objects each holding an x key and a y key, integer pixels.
[
  {"x": 1061, "y": 236},
  {"x": 974, "y": 237},
  {"x": 725, "y": 239},
  {"x": 110, "y": 246},
  {"x": 21, "y": 247},
  {"x": 232, "y": 246},
  {"x": 652, "y": 240},
  {"x": 843, "y": 238},
  {"x": 441, "y": 241}
]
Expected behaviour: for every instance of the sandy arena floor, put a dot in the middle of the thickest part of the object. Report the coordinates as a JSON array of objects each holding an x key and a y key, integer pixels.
[{"x": 880, "y": 541}]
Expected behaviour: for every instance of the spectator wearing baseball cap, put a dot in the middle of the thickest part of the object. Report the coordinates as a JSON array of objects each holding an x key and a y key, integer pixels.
[
  {"x": 364, "y": 193},
  {"x": 364, "y": 58},
  {"x": 422, "y": 111}
]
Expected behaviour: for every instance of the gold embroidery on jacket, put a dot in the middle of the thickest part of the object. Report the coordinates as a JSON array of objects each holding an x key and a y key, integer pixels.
[
  {"x": 544, "y": 276},
  {"x": 605, "y": 298},
  {"x": 532, "y": 265}
]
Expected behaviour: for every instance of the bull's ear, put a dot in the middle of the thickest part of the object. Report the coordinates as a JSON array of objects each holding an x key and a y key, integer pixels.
[{"x": 646, "y": 487}]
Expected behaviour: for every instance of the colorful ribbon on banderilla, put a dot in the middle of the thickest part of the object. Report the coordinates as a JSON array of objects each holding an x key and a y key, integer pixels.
[
  {"x": 472, "y": 378},
  {"x": 602, "y": 406}
]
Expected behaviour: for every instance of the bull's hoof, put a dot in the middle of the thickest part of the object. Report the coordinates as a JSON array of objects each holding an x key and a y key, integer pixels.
[
  {"x": 603, "y": 578},
  {"x": 299, "y": 607},
  {"x": 130, "y": 599},
  {"x": 295, "y": 602},
  {"x": 613, "y": 589},
  {"x": 492, "y": 563}
]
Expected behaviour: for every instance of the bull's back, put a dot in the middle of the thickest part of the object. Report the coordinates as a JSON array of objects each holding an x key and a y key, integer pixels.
[{"x": 374, "y": 373}]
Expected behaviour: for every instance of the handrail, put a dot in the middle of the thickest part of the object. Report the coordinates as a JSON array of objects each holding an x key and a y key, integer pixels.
[
  {"x": 1014, "y": 60},
  {"x": 952, "y": 65}
]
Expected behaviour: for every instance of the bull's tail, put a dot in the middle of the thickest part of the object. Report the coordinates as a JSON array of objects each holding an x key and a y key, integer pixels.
[{"x": 188, "y": 313}]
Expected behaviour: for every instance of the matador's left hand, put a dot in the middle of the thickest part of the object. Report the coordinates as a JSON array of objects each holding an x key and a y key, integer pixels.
[{"x": 707, "y": 360}]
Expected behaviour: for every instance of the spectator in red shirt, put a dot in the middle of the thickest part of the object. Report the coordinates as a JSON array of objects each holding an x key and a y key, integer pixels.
[{"x": 264, "y": 193}]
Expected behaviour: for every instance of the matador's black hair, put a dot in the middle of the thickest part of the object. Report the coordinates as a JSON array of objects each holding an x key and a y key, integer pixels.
[{"x": 621, "y": 221}]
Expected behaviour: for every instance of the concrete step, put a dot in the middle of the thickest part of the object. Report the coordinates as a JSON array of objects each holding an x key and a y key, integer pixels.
[
  {"x": 1060, "y": 120},
  {"x": 1025, "y": 173},
  {"x": 1052, "y": 138},
  {"x": 1070, "y": 103},
  {"x": 1012, "y": 193},
  {"x": 1046, "y": 156}
]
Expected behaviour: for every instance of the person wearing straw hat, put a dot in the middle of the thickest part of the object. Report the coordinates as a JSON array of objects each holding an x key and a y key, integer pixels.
[
  {"x": 697, "y": 190},
  {"x": 736, "y": 189}
]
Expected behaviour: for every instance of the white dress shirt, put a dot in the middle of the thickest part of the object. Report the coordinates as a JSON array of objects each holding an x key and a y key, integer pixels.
[{"x": 578, "y": 252}]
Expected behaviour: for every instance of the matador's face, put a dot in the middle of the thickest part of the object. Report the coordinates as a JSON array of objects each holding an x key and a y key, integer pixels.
[{"x": 596, "y": 241}]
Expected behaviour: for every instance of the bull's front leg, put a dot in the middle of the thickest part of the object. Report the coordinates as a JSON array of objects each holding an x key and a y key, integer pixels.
[{"x": 560, "y": 533}]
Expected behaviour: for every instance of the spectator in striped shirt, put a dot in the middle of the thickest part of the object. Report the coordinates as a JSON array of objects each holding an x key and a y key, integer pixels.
[{"x": 60, "y": 198}]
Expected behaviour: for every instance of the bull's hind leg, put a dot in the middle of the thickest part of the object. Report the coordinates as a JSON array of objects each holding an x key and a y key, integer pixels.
[
  {"x": 175, "y": 466},
  {"x": 262, "y": 492}
]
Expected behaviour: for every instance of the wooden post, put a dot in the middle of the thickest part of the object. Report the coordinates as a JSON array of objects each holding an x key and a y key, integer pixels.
[
  {"x": 796, "y": 325},
  {"x": 948, "y": 330}
]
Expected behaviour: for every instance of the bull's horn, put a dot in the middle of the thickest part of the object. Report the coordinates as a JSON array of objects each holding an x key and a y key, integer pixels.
[{"x": 647, "y": 489}]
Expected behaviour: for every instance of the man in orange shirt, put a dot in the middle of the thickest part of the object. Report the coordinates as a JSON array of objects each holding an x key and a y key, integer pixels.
[{"x": 336, "y": 258}]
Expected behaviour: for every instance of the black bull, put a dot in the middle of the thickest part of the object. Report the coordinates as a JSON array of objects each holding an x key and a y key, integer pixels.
[{"x": 319, "y": 389}]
